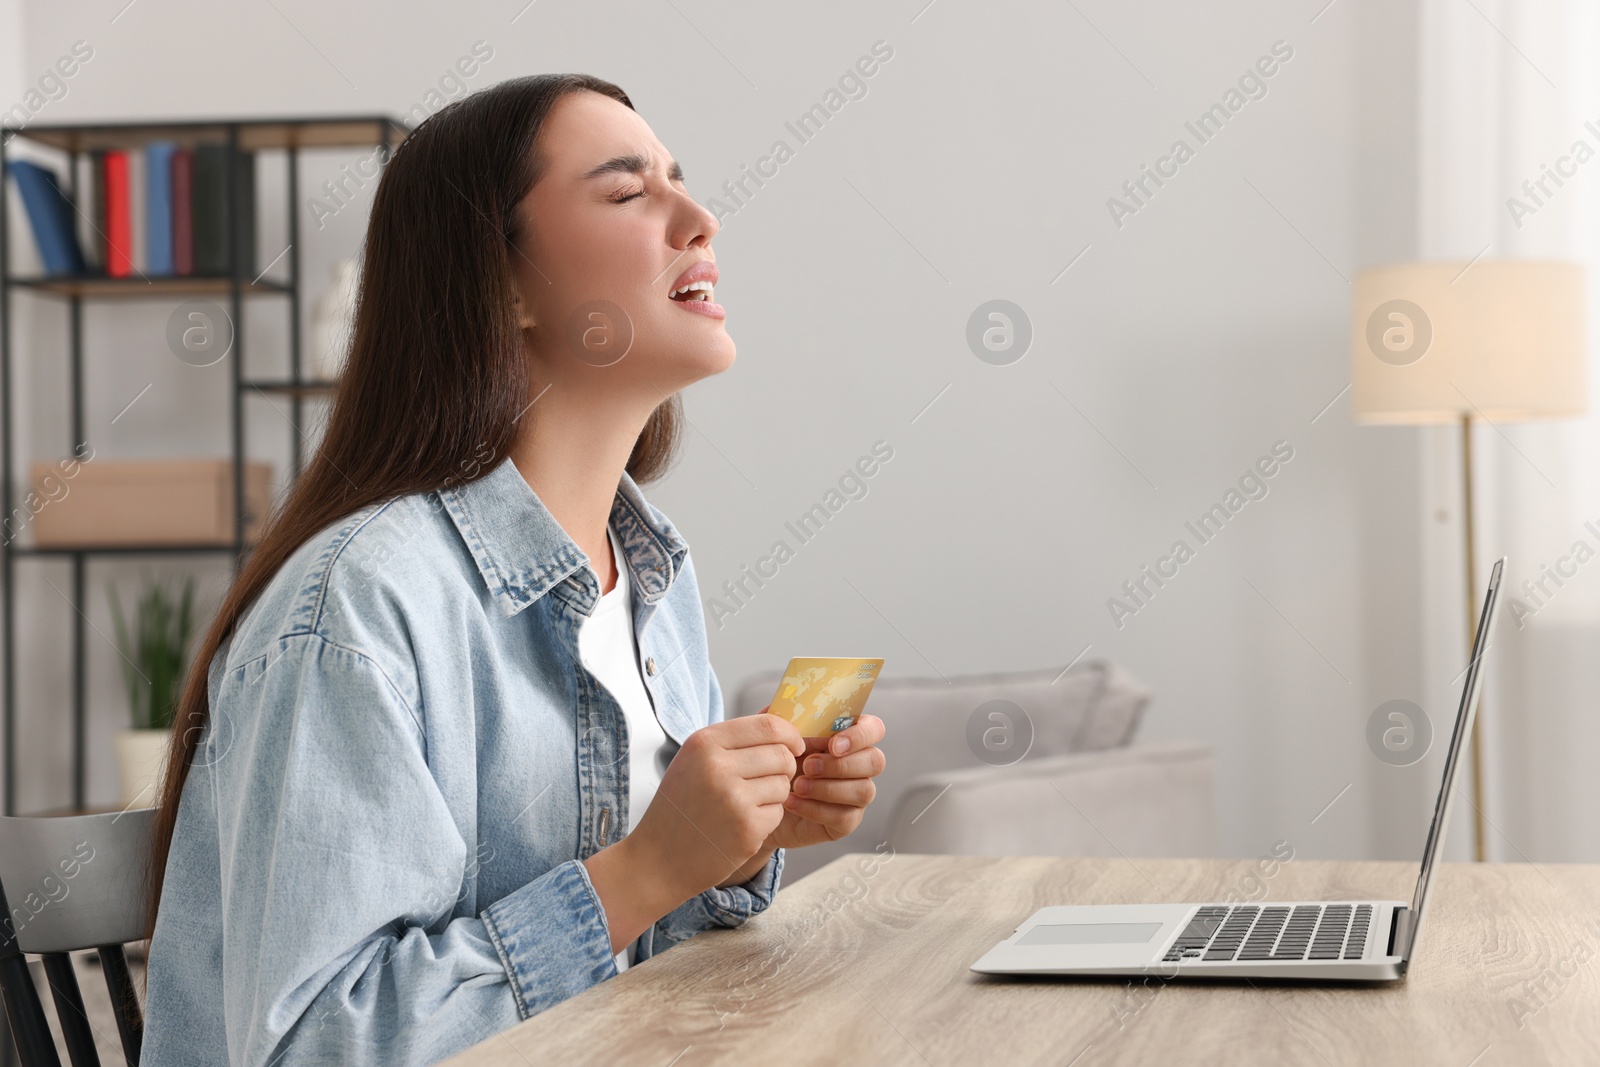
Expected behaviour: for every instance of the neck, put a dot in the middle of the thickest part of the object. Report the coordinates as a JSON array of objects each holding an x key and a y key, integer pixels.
[{"x": 572, "y": 453}]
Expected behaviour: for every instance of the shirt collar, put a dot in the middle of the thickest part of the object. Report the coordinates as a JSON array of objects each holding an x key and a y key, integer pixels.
[{"x": 522, "y": 552}]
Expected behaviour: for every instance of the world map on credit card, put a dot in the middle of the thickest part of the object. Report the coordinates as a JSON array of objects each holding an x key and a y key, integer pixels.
[{"x": 822, "y": 695}]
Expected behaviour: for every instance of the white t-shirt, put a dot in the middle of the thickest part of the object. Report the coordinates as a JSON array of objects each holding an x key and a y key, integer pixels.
[{"x": 608, "y": 649}]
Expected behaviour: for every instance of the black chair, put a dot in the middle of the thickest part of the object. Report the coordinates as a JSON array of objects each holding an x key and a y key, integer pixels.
[{"x": 69, "y": 884}]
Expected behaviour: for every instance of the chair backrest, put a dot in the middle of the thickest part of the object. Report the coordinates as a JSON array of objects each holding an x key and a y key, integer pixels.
[
  {"x": 75, "y": 882},
  {"x": 67, "y": 884}
]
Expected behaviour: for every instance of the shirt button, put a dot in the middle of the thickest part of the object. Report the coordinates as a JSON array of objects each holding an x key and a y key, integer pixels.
[{"x": 650, "y": 666}]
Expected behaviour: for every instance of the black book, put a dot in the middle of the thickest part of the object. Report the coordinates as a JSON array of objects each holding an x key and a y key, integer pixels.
[
  {"x": 210, "y": 210},
  {"x": 94, "y": 245}
]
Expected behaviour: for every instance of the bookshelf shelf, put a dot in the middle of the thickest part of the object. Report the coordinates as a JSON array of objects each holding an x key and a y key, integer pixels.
[
  {"x": 118, "y": 550},
  {"x": 231, "y": 290},
  {"x": 98, "y": 286},
  {"x": 292, "y": 388},
  {"x": 254, "y": 134}
]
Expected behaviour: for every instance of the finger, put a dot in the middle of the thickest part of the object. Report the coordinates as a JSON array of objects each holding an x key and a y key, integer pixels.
[
  {"x": 867, "y": 730},
  {"x": 838, "y": 819},
  {"x": 772, "y": 789},
  {"x": 762, "y": 729},
  {"x": 865, "y": 763},
  {"x": 785, "y": 733},
  {"x": 856, "y": 792},
  {"x": 762, "y": 760}
]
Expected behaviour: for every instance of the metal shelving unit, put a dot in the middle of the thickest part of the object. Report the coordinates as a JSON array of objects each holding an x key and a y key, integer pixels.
[{"x": 287, "y": 134}]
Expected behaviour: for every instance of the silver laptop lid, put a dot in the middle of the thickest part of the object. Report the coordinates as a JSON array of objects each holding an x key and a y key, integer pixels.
[{"x": 1465, "y": 715}]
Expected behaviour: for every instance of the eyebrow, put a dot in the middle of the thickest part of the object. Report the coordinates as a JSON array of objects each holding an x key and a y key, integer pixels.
[{"x": 633, "y": 163}]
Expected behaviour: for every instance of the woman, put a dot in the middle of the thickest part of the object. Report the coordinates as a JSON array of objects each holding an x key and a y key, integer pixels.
[{"x": 423, "y": 789}]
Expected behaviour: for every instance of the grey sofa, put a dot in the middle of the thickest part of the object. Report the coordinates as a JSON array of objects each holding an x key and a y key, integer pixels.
[{"x": 1025, "y": 763}]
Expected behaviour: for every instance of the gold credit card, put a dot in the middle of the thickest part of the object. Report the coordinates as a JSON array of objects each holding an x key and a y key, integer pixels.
[{"x": 822, "y": 695}]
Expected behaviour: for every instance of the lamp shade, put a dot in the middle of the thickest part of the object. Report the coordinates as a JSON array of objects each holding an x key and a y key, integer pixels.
[{"x": 1499, "y": 339}]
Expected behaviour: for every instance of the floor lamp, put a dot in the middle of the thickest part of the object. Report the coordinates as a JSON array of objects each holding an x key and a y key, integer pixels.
[{"x": 1445, "y": 343}]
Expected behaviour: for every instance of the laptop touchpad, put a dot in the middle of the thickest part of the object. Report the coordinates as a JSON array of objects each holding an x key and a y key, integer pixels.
[{"x": 1090, "y": 934}]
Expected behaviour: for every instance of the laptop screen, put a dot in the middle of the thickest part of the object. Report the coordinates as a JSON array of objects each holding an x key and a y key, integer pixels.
[{"x": 1458, "y": 738}]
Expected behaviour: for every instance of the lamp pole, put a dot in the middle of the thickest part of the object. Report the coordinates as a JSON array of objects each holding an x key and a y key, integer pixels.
[{"x": 1479, "y": 837}]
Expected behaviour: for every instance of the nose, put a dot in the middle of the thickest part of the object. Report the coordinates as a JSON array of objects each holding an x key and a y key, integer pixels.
[{"x": 693, "y": 225}]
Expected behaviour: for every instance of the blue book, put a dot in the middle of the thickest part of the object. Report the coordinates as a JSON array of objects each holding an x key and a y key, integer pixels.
[
  {"x": 51, "y": 216},
  {"x": 158, "y": 206}
]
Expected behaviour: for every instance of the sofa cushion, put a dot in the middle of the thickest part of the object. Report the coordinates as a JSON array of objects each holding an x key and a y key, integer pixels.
[
  {"x": 936, "y": 726},
  {"x": 1142, "y": 799}
]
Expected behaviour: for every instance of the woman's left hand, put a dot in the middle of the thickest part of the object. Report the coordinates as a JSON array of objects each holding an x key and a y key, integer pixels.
[{"x": 832, "y": 786}]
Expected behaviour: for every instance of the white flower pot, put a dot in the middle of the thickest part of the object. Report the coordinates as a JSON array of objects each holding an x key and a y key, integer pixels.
[{"x": 141, "y": 755}]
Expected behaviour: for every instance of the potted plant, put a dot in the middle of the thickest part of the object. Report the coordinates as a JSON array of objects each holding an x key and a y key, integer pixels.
[{"x": 154, "y": 649}]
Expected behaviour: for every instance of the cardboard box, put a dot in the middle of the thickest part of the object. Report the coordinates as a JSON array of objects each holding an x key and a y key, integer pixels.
[{"x": 101, "y": 502}]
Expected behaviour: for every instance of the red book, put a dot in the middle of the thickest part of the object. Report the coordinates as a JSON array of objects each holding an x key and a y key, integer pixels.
[
  {"x": 119, "y": 220},
  {"x": 182, "y": 214}
]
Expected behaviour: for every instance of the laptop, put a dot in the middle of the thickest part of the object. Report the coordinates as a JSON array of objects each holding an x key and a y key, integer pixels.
[{"x": 1345, "y": 940}]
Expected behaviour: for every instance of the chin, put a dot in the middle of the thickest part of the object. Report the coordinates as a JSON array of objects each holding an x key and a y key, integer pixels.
[{"x": 711, "y": 358}]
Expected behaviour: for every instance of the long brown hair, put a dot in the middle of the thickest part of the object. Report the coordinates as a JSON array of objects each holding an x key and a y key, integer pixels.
[{"x": 436, "y": 375}]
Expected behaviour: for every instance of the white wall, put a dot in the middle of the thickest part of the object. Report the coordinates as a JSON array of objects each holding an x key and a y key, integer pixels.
[
  {"x": 1492, "y": 116},
  {"x": 10, "y": 48},
  {"x": 1206, "y": 328}
]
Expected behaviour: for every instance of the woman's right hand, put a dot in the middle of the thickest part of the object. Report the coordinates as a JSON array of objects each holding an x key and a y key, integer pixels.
[{"x": 720, "y": 798}]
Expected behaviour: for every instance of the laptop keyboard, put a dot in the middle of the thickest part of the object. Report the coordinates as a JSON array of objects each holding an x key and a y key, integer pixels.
[{"x": 1251, "y": 932}]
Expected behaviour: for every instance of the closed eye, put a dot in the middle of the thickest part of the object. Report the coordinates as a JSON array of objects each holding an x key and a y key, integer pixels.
[{"x": 624, "y": 199}]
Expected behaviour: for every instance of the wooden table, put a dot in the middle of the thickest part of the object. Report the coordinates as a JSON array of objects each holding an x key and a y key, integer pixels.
[{"x": 865, "y": 962}]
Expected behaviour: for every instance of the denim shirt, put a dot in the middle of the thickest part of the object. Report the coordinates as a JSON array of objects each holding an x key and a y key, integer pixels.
[{"x": 376, "y": 857}]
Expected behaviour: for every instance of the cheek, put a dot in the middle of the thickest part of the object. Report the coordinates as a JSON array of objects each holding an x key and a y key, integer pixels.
[
  {"x": 613, "y": 262},
  {"x": 617, "y": 256}
]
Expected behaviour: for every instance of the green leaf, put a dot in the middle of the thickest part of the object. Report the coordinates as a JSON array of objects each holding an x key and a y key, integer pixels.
[{"x": 155, "y": 651}]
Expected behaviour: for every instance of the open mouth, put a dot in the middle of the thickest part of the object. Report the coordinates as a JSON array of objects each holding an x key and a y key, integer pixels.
[{"x": 693, "y": 291}]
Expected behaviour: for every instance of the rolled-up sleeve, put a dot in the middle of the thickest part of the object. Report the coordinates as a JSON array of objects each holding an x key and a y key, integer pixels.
[
  {"x": 726, "y": 906},
  {"x": 343, "y": 876},
  {"x": 526, "y": 927}
]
